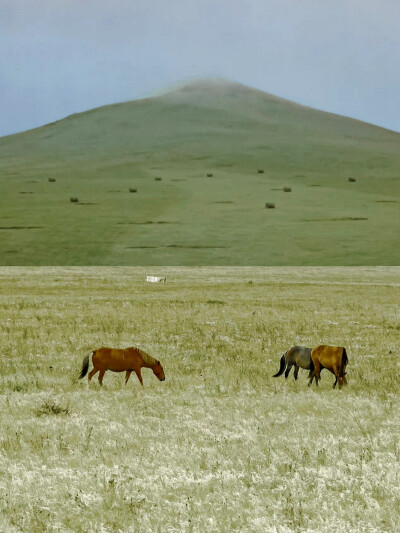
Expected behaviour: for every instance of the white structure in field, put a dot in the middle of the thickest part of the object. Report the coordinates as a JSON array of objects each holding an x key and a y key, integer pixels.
[{"x": 156, "y": 279}]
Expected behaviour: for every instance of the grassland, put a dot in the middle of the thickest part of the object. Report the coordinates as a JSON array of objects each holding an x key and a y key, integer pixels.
[
  {"x": 189, "y": 218},
  {"x": 220, "y": 445}
]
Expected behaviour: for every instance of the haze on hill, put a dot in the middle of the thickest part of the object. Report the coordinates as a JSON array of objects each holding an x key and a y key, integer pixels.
[{"x": 222, "y": 151}]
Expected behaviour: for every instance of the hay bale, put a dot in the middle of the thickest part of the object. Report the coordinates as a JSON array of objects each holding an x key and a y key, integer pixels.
[
  {"x": 270, "y": 205},
  {"x": 157, "y": 178},
  {"x": 132, "y": 189},
  {"x": 52, "y": 180},
  {"x": 352, "y": 179},
  {"x": 209, "y": 175},
  {"x": 260, "y": 171},
  {"x": 74, "y": 199},
  {"x": 287, "y": 189}
]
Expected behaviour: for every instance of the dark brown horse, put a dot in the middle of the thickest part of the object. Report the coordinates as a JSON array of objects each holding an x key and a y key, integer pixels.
[
  {"x": 299, "y": 357},
  {"x": 121, "y": 360},
  {"x": 334, "y": 359}
]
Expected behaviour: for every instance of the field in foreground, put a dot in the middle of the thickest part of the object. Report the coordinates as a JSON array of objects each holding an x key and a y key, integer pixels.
[{"x": 220, "y": 445}]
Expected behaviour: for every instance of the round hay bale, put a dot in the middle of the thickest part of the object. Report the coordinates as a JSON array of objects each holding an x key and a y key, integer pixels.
[
  {"x": 352, "y": 179},
  {"x": 270, "y": 205},
  {"x": 287, "y": 189},
  {"x": 74, "y": 199},
  {"x": 132, "y": 189},
  {"x": 260, "y": 171},
  {"x": 209, "y": 175}
]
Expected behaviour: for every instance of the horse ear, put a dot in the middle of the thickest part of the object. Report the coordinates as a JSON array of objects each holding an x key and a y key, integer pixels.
[{"x": 158, "y": 362}]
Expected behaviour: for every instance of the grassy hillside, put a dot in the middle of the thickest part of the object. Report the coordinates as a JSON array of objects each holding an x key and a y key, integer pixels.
[
  {"x": 210, "y": 127},
  {"x": 221, "y": 445}
]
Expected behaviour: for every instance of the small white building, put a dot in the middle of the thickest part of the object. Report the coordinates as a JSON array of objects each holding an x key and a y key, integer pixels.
[{"x": 156, "y": 279}]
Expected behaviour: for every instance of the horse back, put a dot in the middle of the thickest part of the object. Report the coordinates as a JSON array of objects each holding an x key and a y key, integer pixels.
[
  {"x": 116, "y": 359},
  {"x": 300, "y": 356}
]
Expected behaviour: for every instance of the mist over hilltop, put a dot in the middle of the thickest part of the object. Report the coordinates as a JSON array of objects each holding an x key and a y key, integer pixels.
[{"x": 337, "y": 56}]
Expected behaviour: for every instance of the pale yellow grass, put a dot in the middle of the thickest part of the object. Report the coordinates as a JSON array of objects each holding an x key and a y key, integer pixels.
[{"x": 220, "y": 445}]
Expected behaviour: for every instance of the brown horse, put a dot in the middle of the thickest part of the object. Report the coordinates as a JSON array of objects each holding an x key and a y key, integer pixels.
[
  {"x": 121, "y": 360},
  {"x": 334, "y": 359}
]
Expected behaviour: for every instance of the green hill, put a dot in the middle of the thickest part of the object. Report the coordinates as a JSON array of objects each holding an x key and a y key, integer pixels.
[{"x": 208, "y": 141}]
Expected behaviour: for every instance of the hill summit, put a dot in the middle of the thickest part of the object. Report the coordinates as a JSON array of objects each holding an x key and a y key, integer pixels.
[{"x": 201, "y": 115}]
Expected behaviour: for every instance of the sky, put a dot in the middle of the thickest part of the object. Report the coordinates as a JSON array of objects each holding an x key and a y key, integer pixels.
[{"x": 59, "y": 57}]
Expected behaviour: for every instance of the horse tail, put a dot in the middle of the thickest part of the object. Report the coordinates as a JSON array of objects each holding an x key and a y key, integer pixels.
[
  {"x": 85, "y": 366},
  {"x": 344, "y": 362},
  {"x": 282, "y": 367}
]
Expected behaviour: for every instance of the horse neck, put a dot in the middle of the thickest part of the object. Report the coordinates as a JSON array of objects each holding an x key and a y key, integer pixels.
[{"x": 148, "y": 360}]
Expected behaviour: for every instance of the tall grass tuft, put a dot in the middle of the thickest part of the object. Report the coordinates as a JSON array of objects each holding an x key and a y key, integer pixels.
[{"x": 51, "y": 407}]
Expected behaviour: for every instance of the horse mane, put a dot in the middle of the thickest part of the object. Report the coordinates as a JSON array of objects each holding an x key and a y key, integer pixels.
[
  {"x": 147, "y": 358},
  {"x": 343, "y": 363}
]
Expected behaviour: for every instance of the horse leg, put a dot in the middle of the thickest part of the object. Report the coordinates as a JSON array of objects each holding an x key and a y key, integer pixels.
[
  {"x": 128, "y": 373},
  {"x": 335, "y": 372},
  {"x": 296, "y": 371},
  {"x": 102, "y": 372},
  {"x": 318, "y": 369},
  {"x": 139, "y": 375},
  {"x": 315, "y": 374},
  {"x": 92, "y": 373},
  {"x": 288, "y": 369}
]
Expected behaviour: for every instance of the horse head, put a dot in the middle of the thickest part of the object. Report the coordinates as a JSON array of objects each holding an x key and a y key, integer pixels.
[
  {"x": 342, "y": 380},
  {"x": 159, "y": 371}
]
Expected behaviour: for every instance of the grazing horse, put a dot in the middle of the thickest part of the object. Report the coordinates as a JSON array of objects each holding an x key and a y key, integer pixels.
[
  {"x": 121, "y": 360},
  {"x": 299, "y": 357},
  {"x": 334, "y": 359}
]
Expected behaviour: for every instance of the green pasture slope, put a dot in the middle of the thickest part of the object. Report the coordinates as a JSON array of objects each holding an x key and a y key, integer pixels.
[
  {"x": 221, "y": 445},
  {"x": 188, "y": 218}
]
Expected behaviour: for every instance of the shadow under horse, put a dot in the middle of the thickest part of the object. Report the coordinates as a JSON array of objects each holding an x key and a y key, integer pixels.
[{"x": 299, "y": 357}]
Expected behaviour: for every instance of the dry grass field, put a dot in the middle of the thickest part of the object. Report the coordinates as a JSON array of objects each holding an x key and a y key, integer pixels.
[{"x": 221, "y": 445}]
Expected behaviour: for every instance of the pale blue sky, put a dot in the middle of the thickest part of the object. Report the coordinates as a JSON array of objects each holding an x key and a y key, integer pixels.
[{"x": 59, "y": 57}]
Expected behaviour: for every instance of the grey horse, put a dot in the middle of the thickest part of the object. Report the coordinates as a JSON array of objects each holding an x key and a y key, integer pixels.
[{"x": 299, "y": 357}]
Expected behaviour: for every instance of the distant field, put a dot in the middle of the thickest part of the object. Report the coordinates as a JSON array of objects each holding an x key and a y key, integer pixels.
[
  {"x": 221, "y": 445},
  {"x": 222, "y": 152}
]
